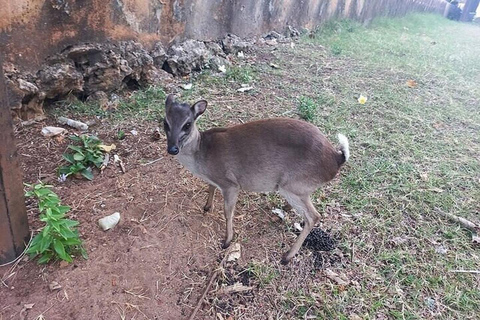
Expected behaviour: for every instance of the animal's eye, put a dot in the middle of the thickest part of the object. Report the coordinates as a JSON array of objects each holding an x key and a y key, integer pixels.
[
  {"x": 166, "y": 126},
  {"x": 187, "y": 126}
]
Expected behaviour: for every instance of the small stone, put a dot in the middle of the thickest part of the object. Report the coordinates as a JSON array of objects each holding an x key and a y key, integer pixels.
[
  {"x": 54, "y": 285},
  {"x": 52, "y": 131},
  {"x": 110, "y": 221}
]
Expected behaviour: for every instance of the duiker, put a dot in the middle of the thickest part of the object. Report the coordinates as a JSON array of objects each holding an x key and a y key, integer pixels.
[{"x": 285, "y": 155}]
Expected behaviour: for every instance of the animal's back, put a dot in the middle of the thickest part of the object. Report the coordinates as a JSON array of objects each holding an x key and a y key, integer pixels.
[{"x": 266, "y": 154}]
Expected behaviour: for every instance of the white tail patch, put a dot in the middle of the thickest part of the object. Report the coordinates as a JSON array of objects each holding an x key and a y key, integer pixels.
[{"x": 344, "y": 146}]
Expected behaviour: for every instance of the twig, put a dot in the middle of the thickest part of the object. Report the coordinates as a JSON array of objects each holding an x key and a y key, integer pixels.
[
  {"x": 462, "y": 221},
  {"x": 465, "y": 271},
  {"x": 152, "y": 162},
  {"x": 209, "y": 284}
]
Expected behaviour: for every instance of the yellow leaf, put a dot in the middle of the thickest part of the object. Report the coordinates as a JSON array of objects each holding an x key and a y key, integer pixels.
[
  {"x": 107, "y": 148},
  {"x": 411, "y": 83},
  {"x": 362, "y": 99}
]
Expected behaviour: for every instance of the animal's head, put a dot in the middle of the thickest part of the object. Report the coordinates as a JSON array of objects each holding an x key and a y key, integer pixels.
[{"x": 180, "y": 121}]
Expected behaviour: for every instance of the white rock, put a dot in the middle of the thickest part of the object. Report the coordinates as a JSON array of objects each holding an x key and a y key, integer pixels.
[
  {"x": 110, "y": 221},
  {"x": 53, "y": 131}
]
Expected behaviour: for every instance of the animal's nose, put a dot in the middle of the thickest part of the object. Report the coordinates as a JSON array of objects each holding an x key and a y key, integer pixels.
[{"x": 173, "y": 150}]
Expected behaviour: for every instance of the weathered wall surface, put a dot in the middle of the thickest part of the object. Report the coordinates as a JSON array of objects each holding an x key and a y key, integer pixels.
[{"x": 30, "y": 30}]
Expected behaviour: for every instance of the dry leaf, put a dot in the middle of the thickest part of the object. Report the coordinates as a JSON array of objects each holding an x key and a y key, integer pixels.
[
  {"x": 354, "y": 316},
  {"x": 107, "y": 148},
  {"x": 235, "y": 252},
  {"x": 236, "y": 287},
  {"x": 439, "y": 125},
  {"x": 411, "y": 83},
  {"x": 63, "y": 264},
  {"x": 54, "y": 285},
  {"x": 399, "y": 240},
  {"x": 339, "y": 279}
]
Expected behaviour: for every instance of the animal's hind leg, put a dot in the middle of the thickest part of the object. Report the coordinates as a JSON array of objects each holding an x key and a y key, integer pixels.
[
  {"x": 304, "y": 206},
  {"x": 230, "y": 197}
]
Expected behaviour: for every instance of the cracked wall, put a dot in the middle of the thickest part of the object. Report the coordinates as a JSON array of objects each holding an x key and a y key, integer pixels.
[{"x": 30, "y": 30}]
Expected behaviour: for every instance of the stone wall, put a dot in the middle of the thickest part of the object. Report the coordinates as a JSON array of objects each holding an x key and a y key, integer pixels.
[{"x": 31, "y": 30}]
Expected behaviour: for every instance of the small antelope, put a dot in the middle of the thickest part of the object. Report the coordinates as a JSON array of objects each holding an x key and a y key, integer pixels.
[{"x": 285, "y": 155}]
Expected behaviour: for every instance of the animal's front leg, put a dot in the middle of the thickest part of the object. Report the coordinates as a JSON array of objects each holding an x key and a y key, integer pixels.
[{"x": 211, "y": 195}]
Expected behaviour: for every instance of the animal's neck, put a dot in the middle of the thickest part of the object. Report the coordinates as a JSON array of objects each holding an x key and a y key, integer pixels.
[{"x": 192, "y": 144}]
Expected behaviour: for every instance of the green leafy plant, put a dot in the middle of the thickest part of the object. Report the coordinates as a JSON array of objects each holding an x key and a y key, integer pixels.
[
  {"x": 59, "y": 238},
  {"x": 86, "y": 155}
]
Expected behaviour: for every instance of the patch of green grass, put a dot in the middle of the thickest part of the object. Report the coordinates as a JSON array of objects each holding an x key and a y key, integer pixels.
[
  {"x": 307, "y": 109},
  {"x": 414, "y": 154},
  {"x": 240, "y": 74},
  {"x": 264, "y": 273},
  {"x": 144, "y": 104}
]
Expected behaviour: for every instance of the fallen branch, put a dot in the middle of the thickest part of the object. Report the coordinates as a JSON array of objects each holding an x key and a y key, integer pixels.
[
  {"x": 462, "y": 221},
  {"x": 465, "y": 271},
  {"x": 467, "y": 224}
]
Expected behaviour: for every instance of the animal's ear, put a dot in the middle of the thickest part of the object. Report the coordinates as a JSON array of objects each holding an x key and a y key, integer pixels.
[
  {"x": 170, "y": 100},
  {"x": 199, "y": 108}
]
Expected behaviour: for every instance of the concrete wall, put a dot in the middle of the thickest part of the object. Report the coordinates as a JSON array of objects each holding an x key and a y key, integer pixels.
[{"x": 30, "y": 30}]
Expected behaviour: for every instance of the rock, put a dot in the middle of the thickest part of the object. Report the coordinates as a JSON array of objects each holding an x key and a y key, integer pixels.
[
  {"x": 52, "y": 131},
  {"x": 26, "y": 100},
  {"x": 73, "y": 123},
  {"x": 188, "y": 56},
  {"x": 215, "y": 48},
  {"x": 54, "y": 285},
  {"x": 137, "y": 59},
  {"x": 292, "y": 32},
  {"x": 158, "y": 55},
  {"x": 102, "y": 65},
  {"x": 233, "y": 44},
  {"x": 59, "y": 79},
  {"x": 110, "y": 221},
  {"x": 218, "y": 64},
  {"x": 151, "y": 76},
  {"x": 99, "y": 98},
  {"x": 275, "y": 37}
]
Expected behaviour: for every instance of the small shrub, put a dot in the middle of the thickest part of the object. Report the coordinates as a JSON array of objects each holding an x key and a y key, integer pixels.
[
  {"x": 86, "y": 155},
  {"x": 307, "y": 109},
  {"x": 59, "y": 238}
]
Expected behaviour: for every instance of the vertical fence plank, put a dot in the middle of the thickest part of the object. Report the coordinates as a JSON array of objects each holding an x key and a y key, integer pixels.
[{"x": 13, "y": 216}]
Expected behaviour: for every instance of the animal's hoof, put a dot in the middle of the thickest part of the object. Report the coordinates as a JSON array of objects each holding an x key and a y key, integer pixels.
[
  {"x": 207, "y": 208},
  {"x": 225, "y": 245},
  {"x": 285, "y": 259}
]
